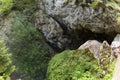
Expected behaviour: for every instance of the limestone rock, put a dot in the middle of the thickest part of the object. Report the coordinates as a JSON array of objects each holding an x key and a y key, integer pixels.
[
  {"x": 66, "y": 24},
  {"x": 51, "y": 30},
  {"x": 93, "y": 45},
  {"x": 81, "y": 15}
]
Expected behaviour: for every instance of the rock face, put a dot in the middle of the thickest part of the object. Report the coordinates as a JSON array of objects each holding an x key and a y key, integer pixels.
[
  {"x": 66, "y": 22},
  {"x": 80, "y": 15},
  {"x": 52, "y": 31}
]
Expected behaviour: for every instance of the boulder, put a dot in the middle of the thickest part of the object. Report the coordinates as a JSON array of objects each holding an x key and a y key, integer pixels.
[{"x": 93, "y": 46}]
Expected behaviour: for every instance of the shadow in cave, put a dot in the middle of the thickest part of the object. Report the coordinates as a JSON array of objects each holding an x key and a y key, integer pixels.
[{"x": 80, "y": 37}]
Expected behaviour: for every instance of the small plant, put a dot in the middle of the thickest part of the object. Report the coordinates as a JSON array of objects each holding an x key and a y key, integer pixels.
[{"x": 5, "y": 62}]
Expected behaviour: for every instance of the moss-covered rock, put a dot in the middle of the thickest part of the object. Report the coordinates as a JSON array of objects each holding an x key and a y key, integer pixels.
[
  {"x": 75, "y": 65},
  {"x": 72, "y": 65},
  {"x": 5, "y": 62}
]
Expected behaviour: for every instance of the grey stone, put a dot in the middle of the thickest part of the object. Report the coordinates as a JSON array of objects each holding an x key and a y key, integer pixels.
[
  {"x": 93, "y": 46},
  {"x": 75, "y": 16}
]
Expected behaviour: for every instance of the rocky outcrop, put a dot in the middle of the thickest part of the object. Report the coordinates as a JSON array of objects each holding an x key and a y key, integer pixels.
[
  {"x": 52, "y": 31},
  {"x": 81, "y": 15},
  {"x": 66, "y": 22},
  {"x": 102, "y": 51}
]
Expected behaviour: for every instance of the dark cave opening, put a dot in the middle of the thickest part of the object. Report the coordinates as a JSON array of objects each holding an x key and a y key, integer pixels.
[{"x": 80, "y": 37}]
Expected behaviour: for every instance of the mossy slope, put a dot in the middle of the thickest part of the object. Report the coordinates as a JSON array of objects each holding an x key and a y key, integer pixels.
[{"x": 75, "y": 65}]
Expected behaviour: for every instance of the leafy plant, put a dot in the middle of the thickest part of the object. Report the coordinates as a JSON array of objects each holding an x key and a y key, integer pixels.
[{"x": 5, "y": 62}]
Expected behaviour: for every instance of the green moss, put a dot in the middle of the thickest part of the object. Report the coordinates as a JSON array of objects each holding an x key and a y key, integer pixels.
[
  {"x": 5, "y": 6},
  {"x": 111, "y": 70},
  {"x": 74, "y": 65},
  {"x": 5, "y": 62}
]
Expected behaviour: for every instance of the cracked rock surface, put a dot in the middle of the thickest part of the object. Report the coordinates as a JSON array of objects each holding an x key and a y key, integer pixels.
[{"x": 66, "y": 22}]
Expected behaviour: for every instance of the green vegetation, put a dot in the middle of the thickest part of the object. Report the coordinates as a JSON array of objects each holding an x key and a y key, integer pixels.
[
  {"x": 75, "y": 65},
  {"x": 27, "y": 45},
  {"x": 5, "y": 5},
  {"x": 5, "y": 62},
  {"x": 24, "y": 5},
  {"x": 30, "y": 52}
]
